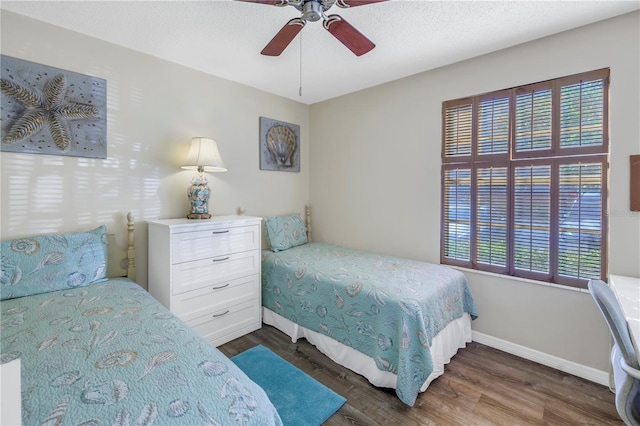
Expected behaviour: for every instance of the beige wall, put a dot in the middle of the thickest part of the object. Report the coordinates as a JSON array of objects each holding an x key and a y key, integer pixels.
[
  {"x": 375, "y": 177},
  {"x": 154, "y": 108}
]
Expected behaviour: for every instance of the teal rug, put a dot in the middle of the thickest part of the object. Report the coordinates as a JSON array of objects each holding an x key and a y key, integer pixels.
[{"x": 299, "y": 398}]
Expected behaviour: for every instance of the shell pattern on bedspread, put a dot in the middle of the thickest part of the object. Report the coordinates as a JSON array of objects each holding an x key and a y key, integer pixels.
[
  {"x": 385, "y": 307},
  {"x": 110, "y": 354}
]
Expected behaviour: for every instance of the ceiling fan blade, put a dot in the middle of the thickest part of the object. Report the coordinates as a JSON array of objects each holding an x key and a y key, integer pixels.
[
  {"x": 348, "y": 35},
  {"x": 281, "y": 40},
  {"x": 353, "y": 3},
  {"x": 269, "y": 2}
]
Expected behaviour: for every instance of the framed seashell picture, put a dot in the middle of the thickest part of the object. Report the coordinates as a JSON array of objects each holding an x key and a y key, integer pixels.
[
  {"x": 279, "y": 145},
  {"x": 47, "y": 110}
]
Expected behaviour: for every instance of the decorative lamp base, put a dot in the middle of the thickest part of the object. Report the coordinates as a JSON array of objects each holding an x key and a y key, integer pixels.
[
  {"x": 198, "y": 216},
  {"x": 198, "y": 194}
]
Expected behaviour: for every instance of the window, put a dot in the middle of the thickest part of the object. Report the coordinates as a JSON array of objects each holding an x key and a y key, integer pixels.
[{"x": 524, "y": 180}]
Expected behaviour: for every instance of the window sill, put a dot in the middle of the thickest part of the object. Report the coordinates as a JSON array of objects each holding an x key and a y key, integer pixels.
[{"x": 526, "y": 280}]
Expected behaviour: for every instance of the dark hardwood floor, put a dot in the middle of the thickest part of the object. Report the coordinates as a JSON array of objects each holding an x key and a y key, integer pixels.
[{"x": 480, "y": 386}]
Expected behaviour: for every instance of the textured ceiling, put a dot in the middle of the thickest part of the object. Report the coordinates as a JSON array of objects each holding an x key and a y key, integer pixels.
[{"x": 225, "y": 37}]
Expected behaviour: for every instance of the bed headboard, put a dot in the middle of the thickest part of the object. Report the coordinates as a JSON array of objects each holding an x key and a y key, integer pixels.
[{"x": 122, "y": 263}]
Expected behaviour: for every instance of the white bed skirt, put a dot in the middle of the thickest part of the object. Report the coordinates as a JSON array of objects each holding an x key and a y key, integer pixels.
[{"x": 444, "y": 346}]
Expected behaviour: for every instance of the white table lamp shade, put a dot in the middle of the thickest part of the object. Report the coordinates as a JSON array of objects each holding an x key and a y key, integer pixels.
[{"x": 204, "y": 156}]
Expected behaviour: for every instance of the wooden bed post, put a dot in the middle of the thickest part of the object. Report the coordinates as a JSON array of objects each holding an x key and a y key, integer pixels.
[
  {"x": 307, "y": 221},
  {"x": 131, "y": 251}
]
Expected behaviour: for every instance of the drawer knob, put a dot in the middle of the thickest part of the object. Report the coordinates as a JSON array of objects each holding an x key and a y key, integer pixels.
[
  {"x": 220, "y": 260},
  {"x": 219, "y": 315},
  {"x": 220, "y": 286},
  {"x": 220, "y": 232}
]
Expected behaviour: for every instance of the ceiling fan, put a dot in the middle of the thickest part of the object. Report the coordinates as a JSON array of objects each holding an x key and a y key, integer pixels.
[{"x": 314, "y": 10}]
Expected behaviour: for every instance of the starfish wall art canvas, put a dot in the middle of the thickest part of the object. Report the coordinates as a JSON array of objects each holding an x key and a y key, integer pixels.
[{"x": 47, "y": 110}]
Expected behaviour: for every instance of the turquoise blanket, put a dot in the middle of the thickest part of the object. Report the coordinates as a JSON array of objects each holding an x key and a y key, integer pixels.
[
  {"x": 386, "y": 307},
  {"x": 111, "y": 354}
]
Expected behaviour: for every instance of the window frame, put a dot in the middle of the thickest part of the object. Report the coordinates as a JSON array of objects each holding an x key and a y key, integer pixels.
[{"x": 554, "y": 156}]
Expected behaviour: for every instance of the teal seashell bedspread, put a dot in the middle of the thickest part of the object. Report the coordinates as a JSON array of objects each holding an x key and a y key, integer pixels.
[
  {"x": 386, "y": 307},
  {"x": 111, "y": 354}
]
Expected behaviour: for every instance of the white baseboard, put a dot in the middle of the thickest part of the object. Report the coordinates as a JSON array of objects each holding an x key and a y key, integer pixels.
[{"x": 588, "y": 373}]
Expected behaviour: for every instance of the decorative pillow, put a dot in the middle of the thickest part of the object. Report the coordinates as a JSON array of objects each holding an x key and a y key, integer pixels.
[
  {"x": 284, "y": 232},
  {"x": 45, "y": 263}
]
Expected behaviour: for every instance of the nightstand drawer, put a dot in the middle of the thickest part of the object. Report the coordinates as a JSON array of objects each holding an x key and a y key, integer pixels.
[
  {"x": 214, "y": 297},
  {"x": 208, "y": 272},
  {"x": 214, "y": 241},
  {"x": 228, "y": 323}
]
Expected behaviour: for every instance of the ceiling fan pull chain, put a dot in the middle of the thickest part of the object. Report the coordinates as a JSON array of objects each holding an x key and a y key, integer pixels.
[{"x": 300, "y": 88}]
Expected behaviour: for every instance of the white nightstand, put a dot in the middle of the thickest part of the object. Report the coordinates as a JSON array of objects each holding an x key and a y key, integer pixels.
[{"x": 207, "y": 272}]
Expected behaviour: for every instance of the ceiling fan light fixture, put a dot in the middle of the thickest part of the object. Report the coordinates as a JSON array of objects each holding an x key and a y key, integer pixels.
[{"x": 314, "y": 10}]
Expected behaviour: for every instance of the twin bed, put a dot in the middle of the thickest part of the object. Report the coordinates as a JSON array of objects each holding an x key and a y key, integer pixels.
[
  {"x": 95, "y": 347},
  {"x": 98, "y": 350},
  {"x": 395, "y": 321}
]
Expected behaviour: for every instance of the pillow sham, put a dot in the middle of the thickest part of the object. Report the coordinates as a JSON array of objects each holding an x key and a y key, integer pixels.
[
  {"x": 284, "y": 232},
  {"x": 45, "y": 263}
]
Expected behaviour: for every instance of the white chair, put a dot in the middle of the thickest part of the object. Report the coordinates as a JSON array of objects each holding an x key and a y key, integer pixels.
[{"x": 624, "y": 359}]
